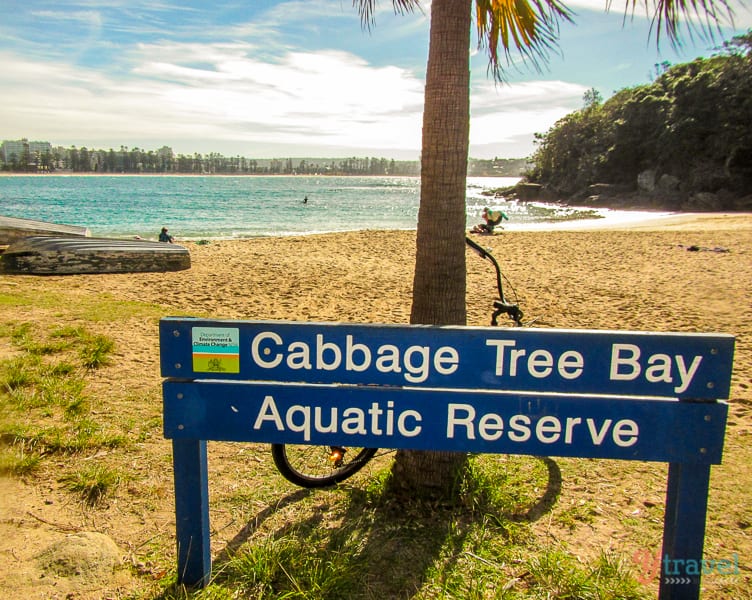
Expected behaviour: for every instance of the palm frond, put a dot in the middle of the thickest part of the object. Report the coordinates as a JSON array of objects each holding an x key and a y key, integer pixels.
[
  {"x": 698, "y": 16},
  {"x": 367, "y": 9},
  {"x": 528, "y": 27}
]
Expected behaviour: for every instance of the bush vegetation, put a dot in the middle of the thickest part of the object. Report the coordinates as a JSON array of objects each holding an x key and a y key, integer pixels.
[{"x": 692, "y": 123}]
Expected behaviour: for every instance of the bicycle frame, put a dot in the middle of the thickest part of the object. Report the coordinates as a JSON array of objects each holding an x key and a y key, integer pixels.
[
  {"x": 323, "y": 466},
  {"x": 502, "y": 306}
]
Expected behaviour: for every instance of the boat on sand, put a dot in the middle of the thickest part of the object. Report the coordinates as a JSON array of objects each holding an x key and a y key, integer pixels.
[
  {"x": 56, "y": 255},
  {"x": 13, "y": 229}
]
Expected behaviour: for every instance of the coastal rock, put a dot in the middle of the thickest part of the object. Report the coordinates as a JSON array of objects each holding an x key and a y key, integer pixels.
[
  {"x": 528, "y": 192},
  {"x": 646, "y": 181},
  {"x": 743, "y": 204},
  {"x": 707, "y": 177},
  {"x": 668, "y": 183},
  {"x": 611, "y": 195},
  {"x": 702, "y": 202},
  {"x": 605, "y": 189}
]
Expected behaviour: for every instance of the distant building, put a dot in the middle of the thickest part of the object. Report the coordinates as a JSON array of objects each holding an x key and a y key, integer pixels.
[{"x": 23, "y": 151}]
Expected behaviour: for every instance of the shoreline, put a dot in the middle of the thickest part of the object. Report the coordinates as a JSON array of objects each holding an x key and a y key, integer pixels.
[
  {"x": 613, "y": 221},
  {"x": 71, "y": 174},
  {"x": 649, "y": 221},
  {"x": 623, "y": 221}
]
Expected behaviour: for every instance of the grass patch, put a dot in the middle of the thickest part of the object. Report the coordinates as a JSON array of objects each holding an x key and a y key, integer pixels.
[
  {"x": 43, "y": 396},
  {"x": 561, "y": 576},
  {"x": 103, "y": 308},
  {"x": 14, "y": 460},
  {"x": 24, "y": 338},
  {"x": 582, "y": 512},
  {"x": 95, "y": 351},
  {"x": 19, "y": 373},
  {"x": 92, "y": 482},
  {"x": 358, "y": 542}
]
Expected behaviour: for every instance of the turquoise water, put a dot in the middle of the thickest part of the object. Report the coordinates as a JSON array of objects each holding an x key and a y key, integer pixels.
[{"x": 216, "y": 207}]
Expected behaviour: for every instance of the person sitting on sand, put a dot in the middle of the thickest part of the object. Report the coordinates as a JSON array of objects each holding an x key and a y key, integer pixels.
[
  {"x": 492, "y": 218},
  {"x": 166, "y": 237}
]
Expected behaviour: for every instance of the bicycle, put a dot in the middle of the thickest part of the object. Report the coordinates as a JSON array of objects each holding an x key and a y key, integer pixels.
[{"x": 324, "y": 466}]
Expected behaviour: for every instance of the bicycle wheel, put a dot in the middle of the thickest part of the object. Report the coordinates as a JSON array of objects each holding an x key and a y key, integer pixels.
[{"x": 319, "y": 466}]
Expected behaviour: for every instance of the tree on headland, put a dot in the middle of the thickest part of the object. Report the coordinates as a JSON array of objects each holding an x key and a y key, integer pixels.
[
  {"x": 691, "y": 123},
  {"x": 527, "y": 27},
  {"x": 592, "y": 98}
]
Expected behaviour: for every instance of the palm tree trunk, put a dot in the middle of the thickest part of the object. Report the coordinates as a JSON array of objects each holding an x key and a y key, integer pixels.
[{"x": 439, "y": 283}]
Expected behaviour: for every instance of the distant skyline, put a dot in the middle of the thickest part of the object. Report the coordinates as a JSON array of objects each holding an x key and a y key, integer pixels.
[{"x": 269, "y": 79}]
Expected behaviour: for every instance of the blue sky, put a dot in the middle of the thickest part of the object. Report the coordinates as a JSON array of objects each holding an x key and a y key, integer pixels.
[{"x": 300, "y": 78}]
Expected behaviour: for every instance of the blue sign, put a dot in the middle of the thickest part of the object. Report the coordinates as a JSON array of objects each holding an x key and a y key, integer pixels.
[
  {"x": 457, "y": 421},
  {"x": 683, "y": 365},
  {"x": 544, "y": 392}
]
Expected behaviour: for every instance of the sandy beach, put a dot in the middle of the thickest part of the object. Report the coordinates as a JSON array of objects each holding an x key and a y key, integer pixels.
[{"x": 688, "y": 273}]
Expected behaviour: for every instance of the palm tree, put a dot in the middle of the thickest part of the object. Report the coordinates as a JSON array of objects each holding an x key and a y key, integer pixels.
[{"x": 530, "y": 28}]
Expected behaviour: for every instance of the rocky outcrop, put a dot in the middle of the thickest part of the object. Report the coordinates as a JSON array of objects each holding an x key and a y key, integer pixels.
[
  {"x": 667, "y": 184},
  {"x": 528, "y": 192},
  {"x": 651, "y": 190},
  {"x": 702, "y": 201},
  {"x": 646, "y": 181}
]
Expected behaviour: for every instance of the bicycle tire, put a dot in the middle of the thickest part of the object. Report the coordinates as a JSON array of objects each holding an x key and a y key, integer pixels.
[{"x": 312, "y": 467}]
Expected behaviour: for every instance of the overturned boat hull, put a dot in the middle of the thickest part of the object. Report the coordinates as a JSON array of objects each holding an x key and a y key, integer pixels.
[
  {"x": 13, "y": 229},
  {"x": 47, "y": 255}
]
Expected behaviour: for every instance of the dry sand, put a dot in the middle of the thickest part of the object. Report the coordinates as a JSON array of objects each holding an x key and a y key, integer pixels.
[{"x": 642, "y": 277}]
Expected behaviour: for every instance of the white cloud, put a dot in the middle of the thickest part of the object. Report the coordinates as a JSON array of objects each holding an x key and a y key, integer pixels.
[
  {"x": 212, "y": 94},
  {"x": 86, "y": 17},
  {"x": 220, "y": 92},
  {"x": 507, "y": 112}
]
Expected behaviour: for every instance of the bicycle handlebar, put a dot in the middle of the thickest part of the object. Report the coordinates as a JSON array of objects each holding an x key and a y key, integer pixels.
[{"x": 501, "y": 305}]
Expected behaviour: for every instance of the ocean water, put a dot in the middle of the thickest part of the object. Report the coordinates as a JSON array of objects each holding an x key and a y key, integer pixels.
[{"x": 219, "y": 207}]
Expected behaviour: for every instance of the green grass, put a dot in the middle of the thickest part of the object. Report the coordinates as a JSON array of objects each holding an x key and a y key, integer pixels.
[
  {"x": 16, "y": 461},
  {"x": 95, "y": 351},
  {"x": 101, "y": 309},
  {"x": 20, "y": 373},
  {"x": 561, "y": 576},
  {"x": 573, "y": 516},
  {"x": 358, "y": 542},
  {"x": 43, "y": 399},
  {"x": 92, "y": 482}
]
